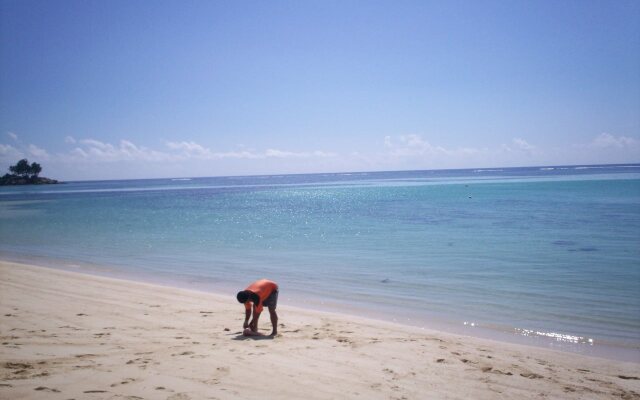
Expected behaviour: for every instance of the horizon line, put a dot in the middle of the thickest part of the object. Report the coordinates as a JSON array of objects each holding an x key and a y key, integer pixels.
[{"x": 634, "y": 164}]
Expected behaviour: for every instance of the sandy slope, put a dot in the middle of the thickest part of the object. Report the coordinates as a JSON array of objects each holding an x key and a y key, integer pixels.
[{"x": 72, "y": 336}]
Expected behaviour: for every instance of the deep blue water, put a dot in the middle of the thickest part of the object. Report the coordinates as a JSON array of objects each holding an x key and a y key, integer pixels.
[{"x": 550, "y": 255}]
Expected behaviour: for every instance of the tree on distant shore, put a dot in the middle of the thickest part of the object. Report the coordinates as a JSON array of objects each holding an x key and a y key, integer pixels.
[
  {"x": 26, "y": 170},
  {"x": 24, "y": 173}
]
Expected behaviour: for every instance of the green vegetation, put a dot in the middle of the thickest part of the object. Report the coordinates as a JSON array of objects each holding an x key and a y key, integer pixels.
[{"x": 23, "y": 173}]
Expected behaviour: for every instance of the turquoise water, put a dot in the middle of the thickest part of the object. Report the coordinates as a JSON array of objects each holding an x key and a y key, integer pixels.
[{"x": 547, "y": 256}]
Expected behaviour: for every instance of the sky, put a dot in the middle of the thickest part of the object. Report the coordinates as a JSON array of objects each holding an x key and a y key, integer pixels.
[{"x": 150, "y": 89}]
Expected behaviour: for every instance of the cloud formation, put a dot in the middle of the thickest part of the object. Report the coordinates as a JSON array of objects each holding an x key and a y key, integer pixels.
[
  {"x": 414, "y": 145},
  {"x": 606, "y": 140},
  {"x": 192, "y": 149},
  {"x": 37, "y": 152},
  {"x": 85, "y": 158},
  {"x": 519, "y": 145},
  {"x": 7, "y": 150},
  {"x": 125, "y": 150}
]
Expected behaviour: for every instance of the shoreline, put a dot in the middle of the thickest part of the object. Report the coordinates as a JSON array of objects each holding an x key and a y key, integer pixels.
[
  {"x": 555, "y": 342},
  {"x": 615, "y": 352},
  {"x": 68, "y": 334}
]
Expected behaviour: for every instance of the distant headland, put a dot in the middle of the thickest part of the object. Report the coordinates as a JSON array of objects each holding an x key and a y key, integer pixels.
[{"x": 24, "y": 173}]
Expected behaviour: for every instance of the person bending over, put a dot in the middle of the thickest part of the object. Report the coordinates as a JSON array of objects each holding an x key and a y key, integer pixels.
[{"x": 255, "y": 297}]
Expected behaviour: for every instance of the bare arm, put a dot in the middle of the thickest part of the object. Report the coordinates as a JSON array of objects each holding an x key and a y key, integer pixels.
[
  {"x": 247, "y": 315},
  {"x": 254, "y": 321}
]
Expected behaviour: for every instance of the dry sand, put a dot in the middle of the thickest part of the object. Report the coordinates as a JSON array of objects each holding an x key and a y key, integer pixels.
[{"x": 67, "y": 335}]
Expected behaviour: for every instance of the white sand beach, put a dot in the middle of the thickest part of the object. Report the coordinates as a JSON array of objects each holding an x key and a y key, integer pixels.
[{"x": 67, "y": 335}]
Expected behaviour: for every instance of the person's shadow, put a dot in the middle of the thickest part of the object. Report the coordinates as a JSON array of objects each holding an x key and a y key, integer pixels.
[{"x": 256, "y": 337}]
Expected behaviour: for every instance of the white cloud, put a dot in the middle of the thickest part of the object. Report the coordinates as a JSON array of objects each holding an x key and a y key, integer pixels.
[
  {"x": 79, "y": 153},
  {"x": 518, "y": 145},
  {"x": 522, "y": 144},
  {"x": 191, "y": 149},
  {"x": 606, "y": 140},
  {"x": 9, "y": 151},
  {"x": 238, "y": 155},
  {"x": 280, "y": 154},
  {"x": 290, "y": 154},
  {"x": 70, "y": 140},
  {"x": 12, "y": 136},
  {"x": 92, "y": 150},
  {"x": 414, "y": 145},
  {"x": 98, "y": 144},
  {"x": 179, "y": 158},
  {"x": 606, "y": 148},
  {"x": 413, "y": 151},
  {"x": 95, "y": 150},
  {"x": 38, "y": 152},
  {"x": 133, "y": 152},
  {"x": 195, "y": 150}
]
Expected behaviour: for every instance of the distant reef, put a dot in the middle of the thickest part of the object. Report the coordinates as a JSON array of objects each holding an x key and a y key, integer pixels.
[{"x": 9, "y": 179}]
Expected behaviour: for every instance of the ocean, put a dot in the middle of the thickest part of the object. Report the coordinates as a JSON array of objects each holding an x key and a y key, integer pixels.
[{"x": 548, "y": 256}]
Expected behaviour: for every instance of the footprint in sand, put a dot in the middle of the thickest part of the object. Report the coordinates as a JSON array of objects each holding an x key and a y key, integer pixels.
[
  {"x": 70, "y": 327},
  {"x": 184, "y": 353},
  {"x": 495, "y": 371},
  {"x": 124, "y": 382},
  {"x": 85, "y": 355},
  {"x": 46, "y": 389},
  {"x": 531, "y": 375},
  {"x": 179, "y": 396},
  {"x": 17, "y": 365}
]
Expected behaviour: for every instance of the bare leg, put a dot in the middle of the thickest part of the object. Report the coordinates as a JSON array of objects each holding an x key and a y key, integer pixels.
[{"x": 274, "y": 320}]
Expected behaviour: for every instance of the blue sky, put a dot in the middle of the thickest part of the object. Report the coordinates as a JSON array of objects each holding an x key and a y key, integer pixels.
[{"x": 134, "y": 89}]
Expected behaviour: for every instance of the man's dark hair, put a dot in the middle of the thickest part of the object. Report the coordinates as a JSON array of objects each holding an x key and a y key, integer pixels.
[{"x": 245, "y": 295}]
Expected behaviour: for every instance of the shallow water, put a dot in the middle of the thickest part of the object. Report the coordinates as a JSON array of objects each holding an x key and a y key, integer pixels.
[{"x": 547, "y": 256}]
